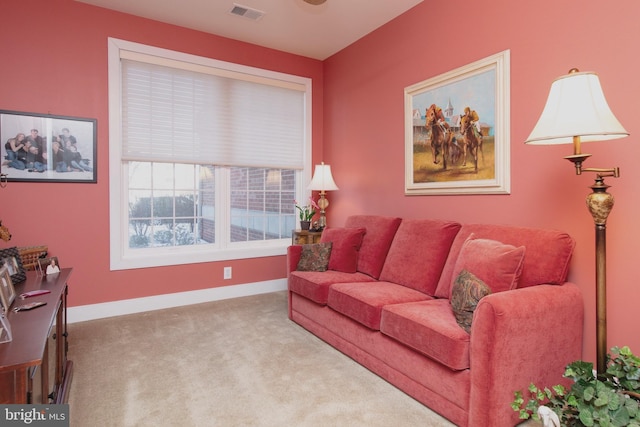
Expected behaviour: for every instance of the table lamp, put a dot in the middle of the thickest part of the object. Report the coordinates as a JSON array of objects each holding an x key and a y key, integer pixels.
[
  {"x": 322, "y": 181},
  {"x": 577, "y": 111}
]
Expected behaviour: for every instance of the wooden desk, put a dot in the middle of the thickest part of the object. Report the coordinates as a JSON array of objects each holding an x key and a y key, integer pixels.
[
  {"x": 29, "y": 348},
  {"x": 301, "y": 237}
]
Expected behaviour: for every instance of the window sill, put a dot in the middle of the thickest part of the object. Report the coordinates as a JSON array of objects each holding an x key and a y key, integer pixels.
[{"x": 187, "y": 255}]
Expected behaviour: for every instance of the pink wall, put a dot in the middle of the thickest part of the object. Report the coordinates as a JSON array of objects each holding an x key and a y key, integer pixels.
[
  {"x": 54, "y": 57},
  {"x": 54, "y": 61},
  {"x": 364, "y": 132}
]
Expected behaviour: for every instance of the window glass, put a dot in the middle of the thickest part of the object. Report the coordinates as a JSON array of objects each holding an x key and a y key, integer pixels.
[
  {"x": 261, "y": 204},
  {"x": 171, "y": 205}
]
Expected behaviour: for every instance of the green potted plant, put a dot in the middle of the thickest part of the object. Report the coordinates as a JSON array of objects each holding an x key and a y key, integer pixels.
[
  {"x": 306, "y": 213},
  {"x": 612, "y": 399}
]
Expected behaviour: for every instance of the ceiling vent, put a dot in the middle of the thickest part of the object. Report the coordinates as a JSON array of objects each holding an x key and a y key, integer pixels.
[{"x": 246, "y": 12}]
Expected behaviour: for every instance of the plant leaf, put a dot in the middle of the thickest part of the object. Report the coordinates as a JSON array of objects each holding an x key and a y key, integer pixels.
[
  {"x": 586, "y": 418},
  {"x": 620, "y": 418},
  {"x": 559, "y": 390},
  {"x": 611, "y": 399}
]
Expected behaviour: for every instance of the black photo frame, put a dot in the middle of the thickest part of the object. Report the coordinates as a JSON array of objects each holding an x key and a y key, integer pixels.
[
  {"x": 51, "y": 149},
  {"x": 11, "y": 258}
]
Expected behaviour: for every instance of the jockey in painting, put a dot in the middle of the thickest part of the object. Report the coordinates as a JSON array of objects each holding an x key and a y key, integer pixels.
[
  {"x": 475, "y": 120},
  {"x": 439, "y": 116}
]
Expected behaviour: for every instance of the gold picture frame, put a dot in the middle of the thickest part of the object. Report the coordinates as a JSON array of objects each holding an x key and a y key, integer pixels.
[{"x": 440, "y": 157}]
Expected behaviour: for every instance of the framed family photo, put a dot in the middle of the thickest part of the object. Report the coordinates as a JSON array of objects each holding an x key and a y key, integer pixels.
[
  {"x": 5, "y": 329},
  {"x": 7, "y": 291},
  {"x": 457, "y": 130},
  {"x": 48, "y": 266},
  {"x": 46, "y": 148}
]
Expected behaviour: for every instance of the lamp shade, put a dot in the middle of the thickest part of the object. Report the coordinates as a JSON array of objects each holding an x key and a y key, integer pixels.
[
  {"x": 576, "y": 106},
  {"x": 322, "y": 179}
]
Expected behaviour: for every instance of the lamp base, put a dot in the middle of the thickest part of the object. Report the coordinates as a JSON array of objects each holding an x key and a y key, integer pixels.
[
  {"x": 322, "y": 221},
  {"x": 600, "y": 204},
  {"x": 323, "y": 203}
]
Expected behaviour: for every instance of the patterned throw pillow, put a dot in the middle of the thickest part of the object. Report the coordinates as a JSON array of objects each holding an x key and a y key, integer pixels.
[
  {"x": 314, "y": 257},
  {"x": 465, "y": 295}
]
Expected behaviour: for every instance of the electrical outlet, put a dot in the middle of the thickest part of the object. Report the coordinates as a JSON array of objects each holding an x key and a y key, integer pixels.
[{"x": 227, "y": 273}]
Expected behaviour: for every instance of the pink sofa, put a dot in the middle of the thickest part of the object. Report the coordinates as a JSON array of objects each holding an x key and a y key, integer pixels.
[{"x": 385, "y": 301}]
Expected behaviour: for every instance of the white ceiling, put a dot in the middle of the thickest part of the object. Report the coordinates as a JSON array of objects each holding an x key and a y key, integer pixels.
[{"x": 287, "y": 25}]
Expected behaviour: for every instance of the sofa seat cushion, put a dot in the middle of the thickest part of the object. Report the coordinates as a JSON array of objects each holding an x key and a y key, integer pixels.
[
  {"x": 376, "y": 241},
  {"x": 418, "y": 253},
  {"x": 430, "y": 328},
  {"x": 363, "y": 302},
  {"x": 315, "y": 285}
]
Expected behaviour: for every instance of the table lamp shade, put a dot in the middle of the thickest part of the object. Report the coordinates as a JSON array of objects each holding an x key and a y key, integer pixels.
[
  {"x": 322, "y": 179},
  {"x": 576, "y": 106}
]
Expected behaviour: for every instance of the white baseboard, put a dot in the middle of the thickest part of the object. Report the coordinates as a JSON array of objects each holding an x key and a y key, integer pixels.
[{"x": 118, "y": 308}]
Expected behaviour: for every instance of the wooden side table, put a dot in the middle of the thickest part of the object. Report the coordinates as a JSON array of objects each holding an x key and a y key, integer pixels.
[
  {"x": 30, "y": 347},
  {"x": 302, "y": 237}
]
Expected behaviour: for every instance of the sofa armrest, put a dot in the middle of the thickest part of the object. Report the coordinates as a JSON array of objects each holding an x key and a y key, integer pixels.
[
  {"x": 293, "y": 256},
  {"x": 519, "y": 337}
]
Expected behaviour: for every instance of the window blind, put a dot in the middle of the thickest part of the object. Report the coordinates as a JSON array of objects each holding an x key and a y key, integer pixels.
[{"x": 171, "y": 114}]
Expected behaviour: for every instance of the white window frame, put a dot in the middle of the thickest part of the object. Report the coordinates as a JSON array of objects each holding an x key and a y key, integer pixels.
[{"x": 121, "y": 256}]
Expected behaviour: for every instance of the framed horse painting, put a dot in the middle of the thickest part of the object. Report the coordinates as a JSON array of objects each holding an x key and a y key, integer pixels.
[{"x": 457, "y": 131}]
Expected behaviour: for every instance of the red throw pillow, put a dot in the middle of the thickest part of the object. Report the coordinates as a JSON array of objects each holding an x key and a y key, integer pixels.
[
  {"x": 345, "y": 247},
  {"x": 496, "y": 264}
]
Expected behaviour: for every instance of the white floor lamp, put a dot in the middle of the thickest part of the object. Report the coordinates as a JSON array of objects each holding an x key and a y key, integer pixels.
[{"x": 577, "y": 111}]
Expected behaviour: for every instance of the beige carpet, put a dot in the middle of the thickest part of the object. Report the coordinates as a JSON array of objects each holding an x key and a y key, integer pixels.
[{"x": 238, "y": 362}]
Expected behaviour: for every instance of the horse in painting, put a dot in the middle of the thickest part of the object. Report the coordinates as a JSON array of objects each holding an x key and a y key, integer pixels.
[
  {"x": 441, "y": 134},
  {"x": 472, "y": 141}
]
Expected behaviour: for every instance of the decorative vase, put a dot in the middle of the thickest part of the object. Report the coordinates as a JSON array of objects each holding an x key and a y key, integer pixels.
[
  {"x": 548, "y": 418},
  {"x": 304, "y": 225}
]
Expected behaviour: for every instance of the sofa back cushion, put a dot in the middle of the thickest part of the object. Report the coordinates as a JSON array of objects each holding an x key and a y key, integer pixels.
[
  {"x": 376, "y": 241},
  {"x": 346, "y": 244},
  {"x": 498, "y": 265},
  {"x": 418, "y": 253},
  {"x": 548, "y": 253}
]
